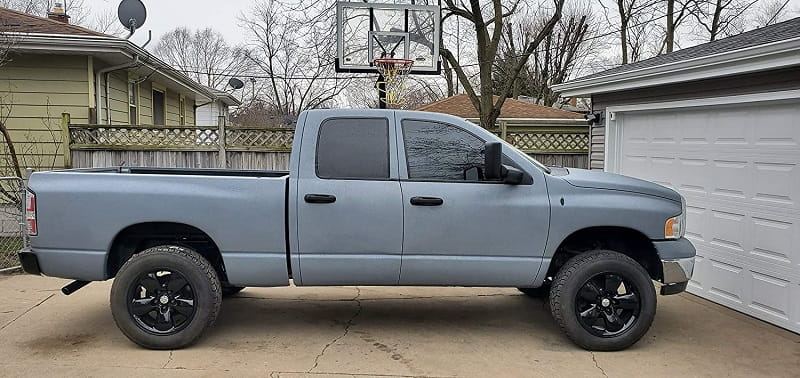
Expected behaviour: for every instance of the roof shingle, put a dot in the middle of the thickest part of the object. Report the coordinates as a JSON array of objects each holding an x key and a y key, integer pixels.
[
  {"x": 461, "y": 106},
  {"x": 18, "y": 22}
]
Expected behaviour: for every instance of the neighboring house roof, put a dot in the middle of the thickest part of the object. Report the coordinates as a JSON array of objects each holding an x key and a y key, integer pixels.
[
  {"x": 225, "y": 97},
  {"x": 19, "y": 22},
  {"x": 770, "y": 47},
  {"x": 461, "y": 106}
]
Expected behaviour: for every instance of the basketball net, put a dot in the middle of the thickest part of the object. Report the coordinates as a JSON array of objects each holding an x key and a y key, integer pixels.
[{"x": 394, "y": 72}]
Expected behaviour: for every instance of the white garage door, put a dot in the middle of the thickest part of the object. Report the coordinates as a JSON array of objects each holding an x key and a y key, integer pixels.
[{"x": 739, "y": 168}]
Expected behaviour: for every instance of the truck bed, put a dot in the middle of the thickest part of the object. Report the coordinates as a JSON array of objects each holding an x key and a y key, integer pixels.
[{"x": 83, "y": 212}]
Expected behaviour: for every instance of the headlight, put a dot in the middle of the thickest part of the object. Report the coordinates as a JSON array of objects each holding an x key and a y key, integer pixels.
[{"x": 675, "y": 227}]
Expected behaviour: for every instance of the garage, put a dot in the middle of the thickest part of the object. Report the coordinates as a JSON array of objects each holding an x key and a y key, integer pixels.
[
  {"x": 742, "y": 189},
  {"x": 720, "y": 123}
]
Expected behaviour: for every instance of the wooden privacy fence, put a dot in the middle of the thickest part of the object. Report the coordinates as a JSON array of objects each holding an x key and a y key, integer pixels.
[{"x": 259, "y": 148}]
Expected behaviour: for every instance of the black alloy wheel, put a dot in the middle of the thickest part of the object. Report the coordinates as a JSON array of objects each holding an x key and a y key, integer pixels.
[
  {"x": 161, "y": 302},
  {"x": 603, "y": 300},
  {"x": 165, "y": 297},
  {"x": 607, "y": 305}
]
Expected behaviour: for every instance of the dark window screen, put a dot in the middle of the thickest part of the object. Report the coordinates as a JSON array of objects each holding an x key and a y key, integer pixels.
[
  {"x": 353, "y": 148},
  {"x": 158, "y": 108},
  {"x": 436, "y": 151}
]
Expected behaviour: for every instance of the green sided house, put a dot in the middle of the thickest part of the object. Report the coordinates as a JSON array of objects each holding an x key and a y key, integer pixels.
[{"x": 51, "y": 67}]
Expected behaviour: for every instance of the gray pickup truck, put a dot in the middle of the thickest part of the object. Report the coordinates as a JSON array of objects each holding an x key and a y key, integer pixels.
[{"x": 372, "y": 197}]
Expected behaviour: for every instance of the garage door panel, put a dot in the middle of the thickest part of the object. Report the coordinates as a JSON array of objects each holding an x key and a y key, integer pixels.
[{"x": 737, "y": 167}]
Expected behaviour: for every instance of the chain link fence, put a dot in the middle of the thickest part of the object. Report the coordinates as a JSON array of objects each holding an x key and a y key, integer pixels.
[{"x": 12, "y": 226}]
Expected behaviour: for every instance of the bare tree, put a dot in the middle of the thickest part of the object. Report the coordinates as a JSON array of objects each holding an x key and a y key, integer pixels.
[
  {"x": 722, "y": 18},
  {"x": 562, "y": 51},
  {"x": 488, "y": 23},
  {"x": 203, "y": 55},
  {"x": 107, "y": 23},
  {"x": 294, "y": 58},
  {"x": 631, "y": 19},
  {"x": 678, "y": 11},
  {"x": 771, "y": 12}
]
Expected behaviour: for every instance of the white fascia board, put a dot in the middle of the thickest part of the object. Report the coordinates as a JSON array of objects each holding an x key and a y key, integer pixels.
[{"x": 757, "y": 58}]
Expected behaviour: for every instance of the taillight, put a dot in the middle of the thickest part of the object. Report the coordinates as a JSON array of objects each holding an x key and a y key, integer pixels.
[{"x": 30, "y": 213}]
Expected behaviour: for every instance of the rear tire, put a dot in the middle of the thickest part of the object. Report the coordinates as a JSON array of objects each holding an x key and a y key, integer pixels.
[
  {"x": 165, "y": 297},
  {"x": 603, "y": 300}
]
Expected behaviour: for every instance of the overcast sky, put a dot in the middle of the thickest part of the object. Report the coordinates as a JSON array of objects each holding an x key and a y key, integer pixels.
[
  {"x": 165, "y": 15},
  {"x": 222, "y": 15}
]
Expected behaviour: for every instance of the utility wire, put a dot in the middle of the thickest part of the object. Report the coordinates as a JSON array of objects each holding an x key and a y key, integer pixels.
[
  {"x": 224, "y": 73},
  {"x": 774, "y": 16}
]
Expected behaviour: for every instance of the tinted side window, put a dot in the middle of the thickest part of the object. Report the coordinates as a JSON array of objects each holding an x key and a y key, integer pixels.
[
  {"x": 353, "y": 148},
  {"x": 436, "y": 151}
]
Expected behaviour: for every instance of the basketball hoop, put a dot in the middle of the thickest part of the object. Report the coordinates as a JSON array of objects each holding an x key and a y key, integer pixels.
[{"x": 394, "y": 72}]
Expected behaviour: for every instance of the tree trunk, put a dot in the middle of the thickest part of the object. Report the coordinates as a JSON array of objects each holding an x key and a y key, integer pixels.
[
  {"x": 448, "y": 78},
  {"x": 670, "y": 38},
  {"x": 623, "y": 31},
  {"x": 715, "y": 21},
  {"x": 11, "y": 150}
]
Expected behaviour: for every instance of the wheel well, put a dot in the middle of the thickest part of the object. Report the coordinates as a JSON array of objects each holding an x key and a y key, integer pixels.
[
  {"x": 627, "y": 241},
  {"x": 139, "y": 237}
]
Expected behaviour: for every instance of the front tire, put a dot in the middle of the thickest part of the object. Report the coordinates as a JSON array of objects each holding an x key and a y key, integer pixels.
[
  {"x": 603, "y": 300},
  {"x": 165, "y": 297}
]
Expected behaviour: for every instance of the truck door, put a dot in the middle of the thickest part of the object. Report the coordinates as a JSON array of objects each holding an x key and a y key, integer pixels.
[
  {"x": 349, "y": 219},
  {"x": 459, "y": 229}
]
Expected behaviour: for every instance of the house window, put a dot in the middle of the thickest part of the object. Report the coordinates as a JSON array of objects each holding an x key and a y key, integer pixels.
[
  {"x": 159, "y": 107},
  {"x": 133, "y": 100},
  {"x": 182, "y": 110}
]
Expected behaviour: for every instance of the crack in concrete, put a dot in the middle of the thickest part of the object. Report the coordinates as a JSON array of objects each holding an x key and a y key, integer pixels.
[
  {"x": 346, "y": 331},
  {"x": 168, "y": 360},
  {"x": 597, "y": 364},
  {"x": 26, "y": 311}
]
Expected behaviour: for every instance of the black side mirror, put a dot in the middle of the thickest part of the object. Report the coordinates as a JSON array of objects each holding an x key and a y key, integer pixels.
[
  {"x": 512, "y": 176},
  {"x": 493, "y": 161}
]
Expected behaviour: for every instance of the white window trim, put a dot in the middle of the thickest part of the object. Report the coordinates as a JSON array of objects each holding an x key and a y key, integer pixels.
[
  {"x": 615, "y": 116},
  {"x": 138, "y": 100}
]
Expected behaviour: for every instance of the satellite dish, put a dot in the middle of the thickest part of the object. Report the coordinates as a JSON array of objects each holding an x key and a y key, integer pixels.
[
  {"x": 132, "y": 14},
  {"x": 235, "y": 83}
]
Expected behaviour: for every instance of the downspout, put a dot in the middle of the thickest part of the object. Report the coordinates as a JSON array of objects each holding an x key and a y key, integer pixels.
[{"x": 99, "y": 75}]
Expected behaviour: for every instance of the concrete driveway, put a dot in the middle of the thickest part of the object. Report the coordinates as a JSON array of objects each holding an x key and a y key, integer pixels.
[{"x": 370, "y": 331}]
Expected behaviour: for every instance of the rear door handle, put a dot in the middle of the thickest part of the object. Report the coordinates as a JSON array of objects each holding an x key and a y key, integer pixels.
[
  {"x": 320, "y": 198},
  {"x": 426, "y": 201}
]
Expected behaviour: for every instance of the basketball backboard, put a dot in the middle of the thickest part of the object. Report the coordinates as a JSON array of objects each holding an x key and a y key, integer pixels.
[{"x": 367, "y": 31}]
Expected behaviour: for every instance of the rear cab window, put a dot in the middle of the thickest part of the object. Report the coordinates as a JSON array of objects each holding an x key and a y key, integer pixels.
[{"x": 353, "y": 148}]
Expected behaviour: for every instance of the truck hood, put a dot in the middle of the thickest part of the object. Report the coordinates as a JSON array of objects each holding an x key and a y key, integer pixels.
[{"x": 584, "y": 178}]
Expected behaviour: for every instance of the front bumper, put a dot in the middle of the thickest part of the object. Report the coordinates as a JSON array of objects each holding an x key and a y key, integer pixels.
[
  {"x": 29, "y": 262},
  {"x": 677, "y": 264}
]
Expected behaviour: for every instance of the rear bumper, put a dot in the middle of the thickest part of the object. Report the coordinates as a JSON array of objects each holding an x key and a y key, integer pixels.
[
  {"x": 677, "y": 264},
  {"x": 29, "y": 262}
]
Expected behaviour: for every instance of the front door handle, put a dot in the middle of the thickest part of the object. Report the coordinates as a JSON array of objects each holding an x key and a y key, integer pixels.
[
  {"x": 320, "y": 198},
  {"x": 426, "y": 201}
]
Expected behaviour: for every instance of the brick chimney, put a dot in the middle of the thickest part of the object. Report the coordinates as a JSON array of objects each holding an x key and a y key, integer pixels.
[{"x": 58, "y": 14}]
